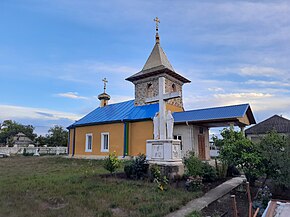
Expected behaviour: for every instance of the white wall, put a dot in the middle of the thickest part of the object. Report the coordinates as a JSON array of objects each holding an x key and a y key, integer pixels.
[
  {"x": 42, "y": 150},
  {"x": 189, "y": 134},
  {"x": 186, "y": 132}
]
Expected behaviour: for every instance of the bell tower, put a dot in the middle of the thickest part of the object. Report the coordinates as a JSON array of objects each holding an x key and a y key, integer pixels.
[{"x": 157, "y": 65}]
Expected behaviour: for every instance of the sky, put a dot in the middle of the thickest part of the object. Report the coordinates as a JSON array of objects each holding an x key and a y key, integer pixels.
[{"x": 55, "y": 53}]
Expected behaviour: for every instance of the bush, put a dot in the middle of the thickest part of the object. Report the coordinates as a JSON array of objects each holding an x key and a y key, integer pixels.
[
  {"x": 193, "y": 183},
  {"x": 137, "y": 168},
  {"x": 112, "y": 163},
  {"x": 237, "y": 150},
  {"x": 209, "y": 173},
  {"x": 128, "y": 169},
  {"x": 196, "y": 168},
  {"x": 263, "y": 197},
  {"x": 160, "y": 180}
]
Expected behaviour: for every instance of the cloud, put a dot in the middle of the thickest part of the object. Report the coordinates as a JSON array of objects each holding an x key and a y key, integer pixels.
[
  {"x": 260, "y": 71},
  {"x": 71, "y": 95},
  {"x": 268, "y": 83},
  {"x": 215, "y": 89},
  {"x": 11, "y": 112}
]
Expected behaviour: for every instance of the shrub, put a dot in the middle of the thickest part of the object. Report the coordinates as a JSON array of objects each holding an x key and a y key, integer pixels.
[
  {"x": 128, "y": 169},
  {"x": 193, "y": 165},
  {"x": 112, "y": 163},
  {"x": 140, "y": 166},
  {"x": 137, "y": 168},
  {"x": 193, "y": 183},
  {"x": 196, "y": 168},
  {"x": 209, "y": 173},
  {"x": 237, "y": 150},
  {"x": 160, "y": 180},
  {"x": 263, "y": 197},
  {"x": 275, "y": 153}
]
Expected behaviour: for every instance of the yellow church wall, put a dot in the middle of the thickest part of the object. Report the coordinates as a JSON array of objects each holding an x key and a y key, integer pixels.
[
  {"x": 71, "y": 136},
  {"x": 116, "y": 139},
  {"x": 173, "y": 108},
  {"x": 139, "y": 132}
]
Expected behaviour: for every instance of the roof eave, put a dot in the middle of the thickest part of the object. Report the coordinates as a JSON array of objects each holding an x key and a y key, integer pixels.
[{"x": 164, "y": 70}]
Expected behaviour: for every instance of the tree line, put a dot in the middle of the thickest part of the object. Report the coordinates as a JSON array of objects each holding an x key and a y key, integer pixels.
[{"x": 56, "y": 136}]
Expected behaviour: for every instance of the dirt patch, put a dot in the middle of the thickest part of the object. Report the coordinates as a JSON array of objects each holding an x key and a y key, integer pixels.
[
  {"x": 53, "y": 204},
  {"x": 223, "y": 206},
  {"x": 119, "y": 212}
]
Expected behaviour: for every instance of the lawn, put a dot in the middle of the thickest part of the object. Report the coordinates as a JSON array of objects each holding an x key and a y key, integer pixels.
[{"x": 55, "y": 186}]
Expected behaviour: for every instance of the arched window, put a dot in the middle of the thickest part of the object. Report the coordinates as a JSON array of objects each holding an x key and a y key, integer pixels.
[
  {"x": 149, "y": 90},
  {"x": 173, "y": 88}
]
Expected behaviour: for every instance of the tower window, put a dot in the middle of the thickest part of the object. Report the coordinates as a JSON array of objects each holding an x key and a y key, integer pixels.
[
  {"x": 173, "y": 88},
  {"x": 149, "y": 90}
]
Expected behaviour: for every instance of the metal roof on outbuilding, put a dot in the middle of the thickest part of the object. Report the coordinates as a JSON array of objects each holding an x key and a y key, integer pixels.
[{"x": 217, "y": 113}]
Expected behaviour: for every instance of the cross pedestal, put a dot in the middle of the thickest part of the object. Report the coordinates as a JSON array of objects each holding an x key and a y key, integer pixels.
[
  {"x": 164, "y": 152},
  {"x": 167, "y": 155}
]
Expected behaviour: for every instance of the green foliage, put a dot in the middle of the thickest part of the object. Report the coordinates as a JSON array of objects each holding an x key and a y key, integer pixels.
[
  {"x": 137, "y": 168},
  {"x": 195, "y": 167},
  {"x": 11, "y": 128},
  {"x": 194, "y": 214},
  {"x": 128, "y": 169},
  {"x": 57, "y": 136},
  {"x": 160, "y": 180},
  {"x": 263, "y": 197},
  {"x": 208, "y": 173},
  {"x": 275, "y": 153},
  {"x": 193, "y": 183},
  {"x": 237, "y": 150},
  {"x": 41, "y": 140},
  {"x": 112, "y": 163}
]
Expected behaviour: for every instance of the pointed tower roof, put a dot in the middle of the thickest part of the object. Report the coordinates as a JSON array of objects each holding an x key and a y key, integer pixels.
[
  {"x": 157, "y": 63},
  {"x": 157, "y": 58}
]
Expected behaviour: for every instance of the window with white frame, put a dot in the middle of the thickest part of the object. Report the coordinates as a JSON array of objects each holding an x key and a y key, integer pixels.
[
  {"x": 105, "y": 141},
  {"x": 179, "y": 138},
  {"x": 89, "y": 142}
]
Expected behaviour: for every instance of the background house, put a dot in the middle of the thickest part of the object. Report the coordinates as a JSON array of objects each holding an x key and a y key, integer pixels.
[{"x": 277, "y": 123}]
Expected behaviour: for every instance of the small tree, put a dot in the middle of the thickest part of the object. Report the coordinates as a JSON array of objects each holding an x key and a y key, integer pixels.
[
  {"x": 275, "y": 152},
  {"x": 237, "y": 150},
  {"x": 112, "y": 163},
  {"x": 57, "y": 136}
]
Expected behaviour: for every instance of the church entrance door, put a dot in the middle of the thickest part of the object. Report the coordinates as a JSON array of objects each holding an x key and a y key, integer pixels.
[{"x": 201, "y": 147}]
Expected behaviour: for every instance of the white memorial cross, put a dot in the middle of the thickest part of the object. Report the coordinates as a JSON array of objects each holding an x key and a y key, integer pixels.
[{"x": 162, "y": 98}]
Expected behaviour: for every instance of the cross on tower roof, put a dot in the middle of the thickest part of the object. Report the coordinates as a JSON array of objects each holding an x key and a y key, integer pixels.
[
  {"x": 157, "y": 21},
  {"x": 105, "y": 84}
]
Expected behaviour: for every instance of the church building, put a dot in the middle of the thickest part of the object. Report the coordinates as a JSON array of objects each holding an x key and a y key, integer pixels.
[{"x": 126, "y": 126}]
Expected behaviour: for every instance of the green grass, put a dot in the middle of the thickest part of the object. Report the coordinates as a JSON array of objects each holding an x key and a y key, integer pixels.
[
  {"x": 55, "y": 186},
  {"x": 194, "y": 214}
]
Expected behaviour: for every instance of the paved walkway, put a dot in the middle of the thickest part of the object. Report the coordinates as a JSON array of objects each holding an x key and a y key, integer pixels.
[{"x": 202, "y": 202}]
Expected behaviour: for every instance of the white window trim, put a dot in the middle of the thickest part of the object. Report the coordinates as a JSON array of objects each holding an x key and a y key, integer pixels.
[
  {"x": 87, "y": 135},
  {"x": 102, "y": 142}
]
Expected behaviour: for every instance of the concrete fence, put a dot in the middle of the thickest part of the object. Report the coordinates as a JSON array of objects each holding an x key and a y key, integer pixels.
[{"x": 41, "y": 150}]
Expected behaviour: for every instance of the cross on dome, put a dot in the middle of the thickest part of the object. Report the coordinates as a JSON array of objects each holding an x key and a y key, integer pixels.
[{"x": 105, "y": 84}]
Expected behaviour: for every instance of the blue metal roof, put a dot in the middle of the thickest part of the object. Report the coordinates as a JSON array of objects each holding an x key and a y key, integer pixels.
[
  {"x": 225, "y": 112},
  {"x": 124, "y": 111},
  {"x": 127, "y": 111}
]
